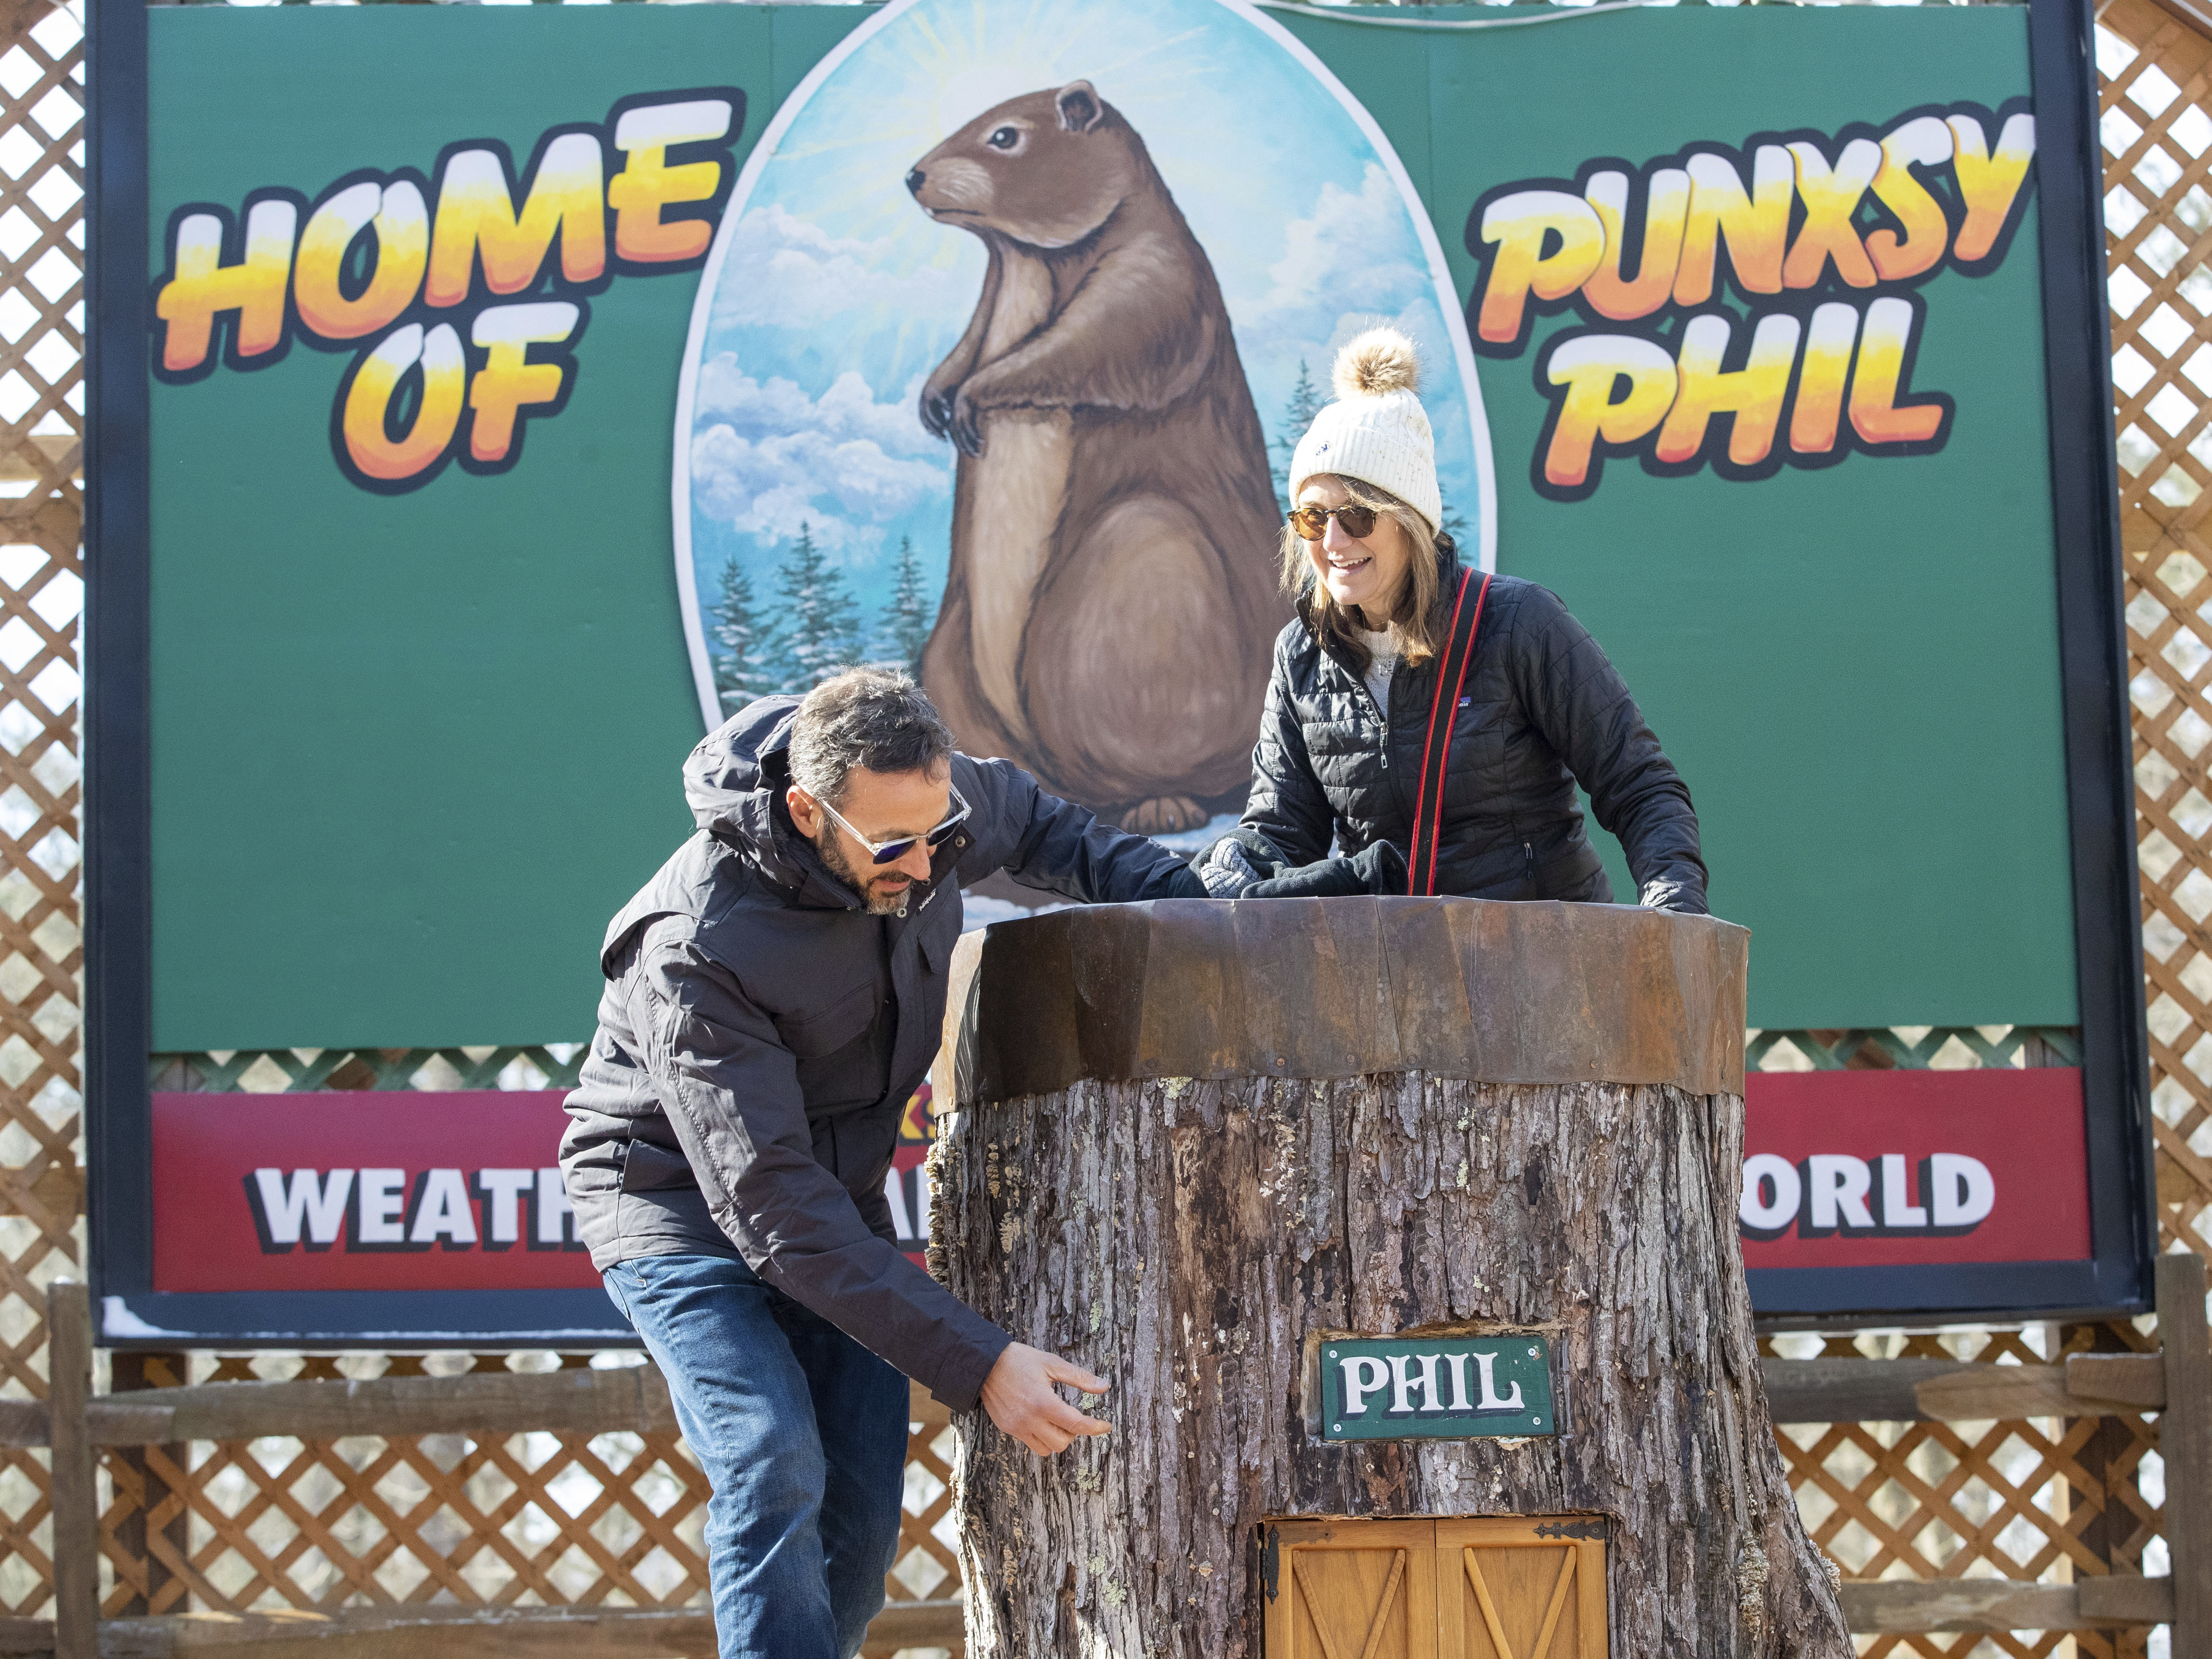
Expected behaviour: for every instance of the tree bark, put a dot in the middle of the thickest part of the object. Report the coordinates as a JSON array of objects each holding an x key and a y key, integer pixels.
[{"x": 1184, "y": 1234}]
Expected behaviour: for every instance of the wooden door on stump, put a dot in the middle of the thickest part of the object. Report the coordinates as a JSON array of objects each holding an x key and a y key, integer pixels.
[
  {"x": 1354, "y": 1589},
  {"x": 1521, "y": 1589},
  {"x": 1500, "y": 1588}
]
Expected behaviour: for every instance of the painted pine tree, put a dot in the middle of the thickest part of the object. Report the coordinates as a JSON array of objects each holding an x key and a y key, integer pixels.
[
  {"x": 1297, "y": 415},
  {"x": 1455, "y": 527},
  {"x": 821, "y": 621},
  {"x": 741, "y": 643},
  {"x": 908, "y": 617}
]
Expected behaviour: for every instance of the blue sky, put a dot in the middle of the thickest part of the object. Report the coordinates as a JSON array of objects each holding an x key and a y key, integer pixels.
[{"x": 835, "y": 296}]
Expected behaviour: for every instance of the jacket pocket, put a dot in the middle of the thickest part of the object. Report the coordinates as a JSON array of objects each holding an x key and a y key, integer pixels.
[
  {"x": 592, "y": 1171},
  {"x": 1569, "y": 872},
  {"x": 812, "y": 1036},
  {"x": 867, "y": 1142},
  {"x": 647, "y": 1168},
  {"x": 936, "y": 951}
]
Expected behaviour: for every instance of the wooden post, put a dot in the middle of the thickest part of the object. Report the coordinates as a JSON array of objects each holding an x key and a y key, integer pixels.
[
  {"x": 2106, "y": 1448},
  {"x": 1197, "y": 1143},
  {"x": 141, "y": 1535},
  {"x": 2184, "y": 1441},
  {"x": 74, "y": 1497}
]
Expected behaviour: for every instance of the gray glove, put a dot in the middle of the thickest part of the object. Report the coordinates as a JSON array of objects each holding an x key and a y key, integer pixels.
[{"x": 1225, "y": 869}]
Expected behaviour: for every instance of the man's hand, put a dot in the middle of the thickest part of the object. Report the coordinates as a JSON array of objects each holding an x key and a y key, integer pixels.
[{"x": 1020, "y": 1396}]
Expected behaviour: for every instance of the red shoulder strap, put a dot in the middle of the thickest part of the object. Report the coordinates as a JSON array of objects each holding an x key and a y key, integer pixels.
[{"x": 1436, "y": 749}]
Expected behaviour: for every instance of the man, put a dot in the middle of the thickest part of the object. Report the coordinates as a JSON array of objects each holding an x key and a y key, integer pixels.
[{"x": 774, "y": 998}]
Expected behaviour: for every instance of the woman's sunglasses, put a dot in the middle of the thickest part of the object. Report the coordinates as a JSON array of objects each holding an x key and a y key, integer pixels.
[
  {"x": 1312, "y": 522},
  {"x": 890, "y": 852}
]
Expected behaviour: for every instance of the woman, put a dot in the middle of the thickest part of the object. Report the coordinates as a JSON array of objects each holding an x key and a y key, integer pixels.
[{"x": 1354, "y": 688}]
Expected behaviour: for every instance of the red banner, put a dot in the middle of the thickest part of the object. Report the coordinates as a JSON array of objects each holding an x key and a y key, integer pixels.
[
  {"x": 407, "y": 1190},
  {"x": 397, "y": 1190},
  {"x": 1897, "y": 1168}
]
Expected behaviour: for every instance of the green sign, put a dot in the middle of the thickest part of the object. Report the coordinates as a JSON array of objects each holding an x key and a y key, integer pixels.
[
  {"x": 1437, "y": 1387},
  {"x": 1845, "y": 634},
  {"x": 498, "y": 397}
]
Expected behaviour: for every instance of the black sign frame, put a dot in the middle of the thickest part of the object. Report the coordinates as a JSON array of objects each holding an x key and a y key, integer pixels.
[{"x": 2116, "y": 1281}]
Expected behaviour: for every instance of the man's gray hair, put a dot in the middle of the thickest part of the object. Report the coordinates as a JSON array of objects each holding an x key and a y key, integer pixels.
[{"x": 875, "y": 717}]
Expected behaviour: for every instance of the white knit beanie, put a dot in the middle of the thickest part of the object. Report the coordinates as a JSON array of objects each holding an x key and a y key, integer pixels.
[{"x": 1376, "y": 430}]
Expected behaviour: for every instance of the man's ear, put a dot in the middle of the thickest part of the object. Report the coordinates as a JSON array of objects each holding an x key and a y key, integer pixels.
[
  {"x": 805, "y": 811},
  {"x": 1080, "y": 109}
]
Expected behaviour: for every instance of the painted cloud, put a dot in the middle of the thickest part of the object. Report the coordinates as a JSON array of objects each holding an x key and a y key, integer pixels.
[{"x": 765, "y": 457}]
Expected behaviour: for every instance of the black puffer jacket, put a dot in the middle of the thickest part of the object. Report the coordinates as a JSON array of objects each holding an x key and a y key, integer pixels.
[
  {"x": 761, "y": 1033},
  {"x": 1541, "y": 710}
]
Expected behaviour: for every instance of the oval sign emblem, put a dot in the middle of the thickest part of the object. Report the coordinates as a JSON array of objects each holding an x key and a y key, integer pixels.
[{"x": 1013, "y": 321}]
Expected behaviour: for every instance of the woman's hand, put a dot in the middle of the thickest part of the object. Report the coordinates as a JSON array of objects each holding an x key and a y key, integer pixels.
[
  {"x": 1022, "y": 1398},
  {"x": 1683, "y": 897},
  {"x": 1225, "y": 869}
]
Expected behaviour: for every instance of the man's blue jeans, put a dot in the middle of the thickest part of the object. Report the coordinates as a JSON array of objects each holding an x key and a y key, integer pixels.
[{"x": 802, "y": 1432}]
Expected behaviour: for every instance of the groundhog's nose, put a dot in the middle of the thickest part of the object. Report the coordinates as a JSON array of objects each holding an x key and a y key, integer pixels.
[{"x": 915, "y": 180}]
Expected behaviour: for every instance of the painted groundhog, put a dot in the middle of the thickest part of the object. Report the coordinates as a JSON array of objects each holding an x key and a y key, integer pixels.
[{"x": 1112, "y": 600}]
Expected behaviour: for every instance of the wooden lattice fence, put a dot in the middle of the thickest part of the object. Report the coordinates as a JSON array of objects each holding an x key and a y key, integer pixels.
[
  {"x": 613, "y": 1519},
  {"x": 41, "y": 587}
]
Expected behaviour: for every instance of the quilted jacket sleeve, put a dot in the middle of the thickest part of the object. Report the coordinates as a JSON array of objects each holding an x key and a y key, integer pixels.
[
  {"x": 1286, "y": 805},
  {"x": 1579, "y": 702},
  {"x": 731, "y": 1090}
]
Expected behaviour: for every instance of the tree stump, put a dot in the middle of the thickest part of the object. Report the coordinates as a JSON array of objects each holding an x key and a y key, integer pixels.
[{"x": 1195, "y": 1140}]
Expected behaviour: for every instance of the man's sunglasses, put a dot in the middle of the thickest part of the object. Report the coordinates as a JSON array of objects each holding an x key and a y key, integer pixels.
[
  {"x": 1312, "y": 522},
  {"x": 890, "y": 852}
]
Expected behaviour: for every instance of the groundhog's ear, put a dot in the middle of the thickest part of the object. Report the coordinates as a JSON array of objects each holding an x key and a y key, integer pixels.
[{"x": 1079, "y": 108}]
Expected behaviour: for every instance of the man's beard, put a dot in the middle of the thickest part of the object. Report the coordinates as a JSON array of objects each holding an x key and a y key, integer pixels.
[{"x": 880, "y": 903}]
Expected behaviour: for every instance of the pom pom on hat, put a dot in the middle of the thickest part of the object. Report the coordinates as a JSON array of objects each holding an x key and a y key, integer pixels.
[
  {"x": 1379, "y": 361},
  {"x": 1376, "y": 430}
]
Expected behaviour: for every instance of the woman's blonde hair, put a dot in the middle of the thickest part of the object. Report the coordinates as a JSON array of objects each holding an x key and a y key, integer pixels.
[{"x": 1421, "y": 624}]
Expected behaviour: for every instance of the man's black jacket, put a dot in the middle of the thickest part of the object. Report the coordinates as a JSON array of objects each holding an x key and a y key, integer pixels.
[
  {"x": 761, "y": 1034},
  {"x": 1541, "y": 710}
]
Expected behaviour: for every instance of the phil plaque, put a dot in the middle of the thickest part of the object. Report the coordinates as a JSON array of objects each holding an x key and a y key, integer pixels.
[{"x": 1435, "y": 1387}]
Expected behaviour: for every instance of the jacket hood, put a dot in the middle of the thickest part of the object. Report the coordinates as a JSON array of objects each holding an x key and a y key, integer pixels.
[{"x": 733, "y": 782}]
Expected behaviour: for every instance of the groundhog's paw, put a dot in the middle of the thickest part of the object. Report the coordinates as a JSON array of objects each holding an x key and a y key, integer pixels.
[
  {"x": 1164, "y": 815},
  {"x": 967, "y": 433},
  {"x": 936, "y": 410}
]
